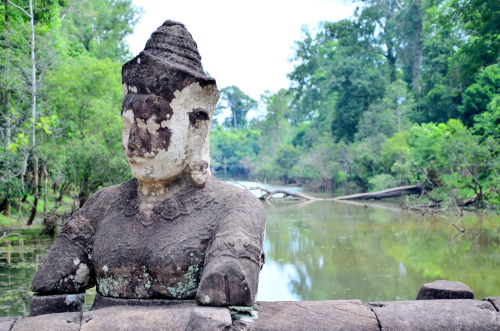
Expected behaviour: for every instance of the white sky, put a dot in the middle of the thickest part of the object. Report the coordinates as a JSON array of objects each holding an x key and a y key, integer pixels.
[{"x": 242, "y": 43}]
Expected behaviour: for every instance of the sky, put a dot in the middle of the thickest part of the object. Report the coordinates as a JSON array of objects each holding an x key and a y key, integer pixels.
[{"x": 243, "y": 43}]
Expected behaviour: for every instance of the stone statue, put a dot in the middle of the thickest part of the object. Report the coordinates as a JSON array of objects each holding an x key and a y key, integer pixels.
[{"x": 174, "y": 231}]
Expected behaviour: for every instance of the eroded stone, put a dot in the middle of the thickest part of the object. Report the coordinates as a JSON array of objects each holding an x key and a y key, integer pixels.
[
  {"x": 50, "y": 322},
  {"x": 457, "y": 314},
  {"x": 184, "y": 316},
  {"x": 6, "y": 323},
  {"x": 444, "y": 289},
  {"x": 59, "y": 303},
  {"x": 495, "y": 301},
  {"x": 314, "y": 315}
]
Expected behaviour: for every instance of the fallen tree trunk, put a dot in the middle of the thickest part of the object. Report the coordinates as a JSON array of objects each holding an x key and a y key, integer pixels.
[
  {"x": 266, "y": 194},
  {"x": 269, "y": 194},
  {"x": 390, "y": 193}
]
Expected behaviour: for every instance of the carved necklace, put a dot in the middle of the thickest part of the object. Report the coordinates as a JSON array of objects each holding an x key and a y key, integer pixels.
[{"x": 167, "y": 210}]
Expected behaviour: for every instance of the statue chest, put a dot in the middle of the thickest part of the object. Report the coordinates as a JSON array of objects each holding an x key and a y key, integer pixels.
[{"x": 161, "y": 259}]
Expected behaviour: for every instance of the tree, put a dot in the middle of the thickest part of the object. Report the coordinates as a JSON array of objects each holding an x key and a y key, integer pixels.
[
  {"x": 478, "y": 22},
  {"x": 232, "y": 150},
  {"x": 238, "y": 103},
  {"x": 70, "y": 100},
  {"x": 278, "y": 112},
  {"x": 100, "y": 26}
]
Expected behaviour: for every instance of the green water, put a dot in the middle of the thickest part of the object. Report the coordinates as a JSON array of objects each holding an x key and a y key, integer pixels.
[
  {"x": 333, "y": 250},
  {"x": 373, "y": 251}
]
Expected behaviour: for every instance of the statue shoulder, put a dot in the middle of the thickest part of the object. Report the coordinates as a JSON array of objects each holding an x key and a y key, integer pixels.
[
  {"x": 106, "y": 196},
  {"x": 98, "y": 203},
  {"x": 238, "y": 205}
]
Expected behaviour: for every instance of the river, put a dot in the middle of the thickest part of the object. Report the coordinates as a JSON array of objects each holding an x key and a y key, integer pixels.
[{"x": 332, "y": 250}]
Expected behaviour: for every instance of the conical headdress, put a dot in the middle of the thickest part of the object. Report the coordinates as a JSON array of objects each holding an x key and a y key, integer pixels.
[{"x": 169, "y": 62}]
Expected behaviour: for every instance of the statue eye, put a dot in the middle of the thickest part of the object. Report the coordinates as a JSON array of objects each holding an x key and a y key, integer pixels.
[{"x": 201, "y": 114}]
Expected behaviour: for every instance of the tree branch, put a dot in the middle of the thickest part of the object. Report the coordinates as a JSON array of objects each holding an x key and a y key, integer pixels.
[
  {"x": 21, "y": 9},
  {"x": 5, "y": 235}
]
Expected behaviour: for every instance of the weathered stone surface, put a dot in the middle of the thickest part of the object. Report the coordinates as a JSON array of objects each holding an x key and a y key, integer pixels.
[
  {"x": 6, "y": 323},
  {"x": 314, "y": 315},
  {"x": 59, "y": 303},
  {"x": 50, "y": 322},
  {"x": 444, "y": 289},
  {"x": 495, "y": 301},
  {"x": 185, "y": 316},
  {"x": 457, "y": 314},
  {"x": 175, "y": 231},
  {"x": 170, "y": 61},
  {"x": 105, "y": 302},
  {"x": 149, "y": 261}
]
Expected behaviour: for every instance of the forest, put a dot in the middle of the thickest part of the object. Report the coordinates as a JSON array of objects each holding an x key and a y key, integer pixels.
[{"x": 403, "y": 92}]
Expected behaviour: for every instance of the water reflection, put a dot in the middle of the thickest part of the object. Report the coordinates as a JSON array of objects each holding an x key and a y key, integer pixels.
[
  {"x": 335, "y": 250},
  {"x": 19, "y": 261}
]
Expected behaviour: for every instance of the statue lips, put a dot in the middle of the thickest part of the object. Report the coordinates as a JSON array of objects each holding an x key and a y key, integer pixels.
[{"x": 139, "y": 159}]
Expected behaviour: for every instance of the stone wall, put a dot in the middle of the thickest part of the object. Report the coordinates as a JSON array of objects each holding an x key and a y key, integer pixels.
[{"x": 446, "y": 314}]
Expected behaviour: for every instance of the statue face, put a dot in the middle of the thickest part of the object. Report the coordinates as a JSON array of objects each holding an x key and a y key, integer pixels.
[{"x": 162, "y": 139}]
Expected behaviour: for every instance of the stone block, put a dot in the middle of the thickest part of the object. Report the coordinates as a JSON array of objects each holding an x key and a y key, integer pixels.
[
  {"x": 209, "y": 318},
  {"x": 314, "y": 315},
  {"x": 445, "y": 289},
  {"x": 436, "y": 315},
  {"x": 60, "y": 303},
  {"x": 186, "y": 316},
  {"x": 50, "y": 322}
]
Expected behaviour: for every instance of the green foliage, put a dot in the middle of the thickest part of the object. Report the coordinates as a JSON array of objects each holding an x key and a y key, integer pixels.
[
  {"x": 232, "y": 150},
  {"x": 382, "y": 182},
  {"x": 100, "y": 27},
  {"x": 79, "y": 45},
  {"x": 478, "y": 96}
]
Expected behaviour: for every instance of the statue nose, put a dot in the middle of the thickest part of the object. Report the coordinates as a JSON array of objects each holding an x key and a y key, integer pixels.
[{"x": 134, "y": 142}]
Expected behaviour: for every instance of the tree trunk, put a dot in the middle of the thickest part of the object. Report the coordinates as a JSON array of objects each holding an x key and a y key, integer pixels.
[
  {"x": 33, "y": 211},
  {"x": 6, "y": 13},
  {"x": 3, "y": 204},
  {"x": 6, "y": 209},
  {"x": 417, "y": 48},
  {"x": 390, "y": 193}
]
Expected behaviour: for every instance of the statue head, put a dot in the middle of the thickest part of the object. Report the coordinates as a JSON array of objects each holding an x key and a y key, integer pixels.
[{"x": 168, "y": 108}]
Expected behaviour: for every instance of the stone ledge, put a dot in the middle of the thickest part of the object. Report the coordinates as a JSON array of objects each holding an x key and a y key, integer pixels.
[
  {"x": 457, "y": 314},
  {"x": 314, "y": 315}
]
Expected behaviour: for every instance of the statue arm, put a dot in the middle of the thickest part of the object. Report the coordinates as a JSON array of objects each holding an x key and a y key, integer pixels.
[
  {"x": 66, "y": 269},
  {"x": 233, "y": 261}
]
